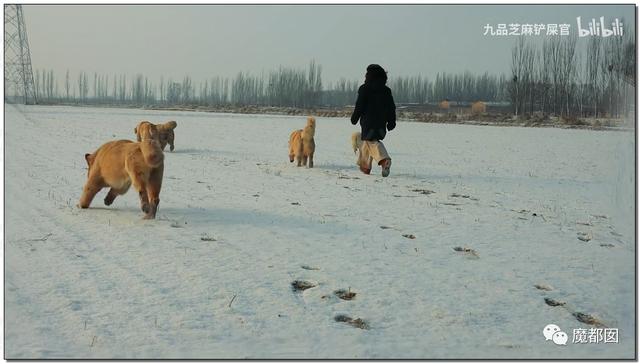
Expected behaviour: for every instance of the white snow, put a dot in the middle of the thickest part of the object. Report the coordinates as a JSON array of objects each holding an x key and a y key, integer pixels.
[{"x": 103, "y": 283}]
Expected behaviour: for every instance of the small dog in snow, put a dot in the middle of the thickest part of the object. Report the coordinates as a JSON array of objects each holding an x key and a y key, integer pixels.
[
  {"x": 302, "y": 146},
  {"x": 121, "y": 163}
]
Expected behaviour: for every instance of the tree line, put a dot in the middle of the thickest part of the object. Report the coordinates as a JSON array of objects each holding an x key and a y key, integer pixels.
[
  {"x": 554, "y": 76},
  {"x": 561, "y": 77},
  {"x": 281, "y": 87},
  {"x": 464, "y": 87}
]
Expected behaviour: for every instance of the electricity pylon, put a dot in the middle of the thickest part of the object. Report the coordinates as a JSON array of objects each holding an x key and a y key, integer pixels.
[{"x": 18, "y": 74}]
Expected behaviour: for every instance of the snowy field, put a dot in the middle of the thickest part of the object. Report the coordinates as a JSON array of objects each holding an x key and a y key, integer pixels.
[{"x": 212, "y": 276}]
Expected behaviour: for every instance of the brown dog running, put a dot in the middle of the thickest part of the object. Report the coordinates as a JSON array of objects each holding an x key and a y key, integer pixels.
[
  {"x": 167, "y": 135},
  {"x": 302, "y": 146},
  {"x": 120, "y": 163}
]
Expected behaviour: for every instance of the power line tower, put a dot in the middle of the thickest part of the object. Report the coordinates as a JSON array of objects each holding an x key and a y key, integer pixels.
[{"x": 18, "y": 74}]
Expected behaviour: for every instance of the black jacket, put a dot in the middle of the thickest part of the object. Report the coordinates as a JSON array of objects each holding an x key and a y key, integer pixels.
[{"x": 375, "y": 109}]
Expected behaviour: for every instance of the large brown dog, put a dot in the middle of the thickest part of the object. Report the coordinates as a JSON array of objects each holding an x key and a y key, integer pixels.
[
  {"x": 302, "y": 146},
  {"x": 120, "y": 163},
  {"x": 167, "y": 135}
]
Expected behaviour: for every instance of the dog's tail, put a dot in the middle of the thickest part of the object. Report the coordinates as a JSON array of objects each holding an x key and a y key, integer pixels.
[
  {"x": 356, "y": 141},
  {"x": 310, "y": 130}
]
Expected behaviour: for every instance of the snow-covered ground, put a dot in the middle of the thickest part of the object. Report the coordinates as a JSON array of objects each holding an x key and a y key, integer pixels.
[{"x": 212, "y": 276}]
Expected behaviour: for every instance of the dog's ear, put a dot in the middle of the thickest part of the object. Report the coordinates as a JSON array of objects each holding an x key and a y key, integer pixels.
[
  {"x": 89, "y": 158},
  {"x": 153, "y": 131},
  {"x": 168, "y": 126}
]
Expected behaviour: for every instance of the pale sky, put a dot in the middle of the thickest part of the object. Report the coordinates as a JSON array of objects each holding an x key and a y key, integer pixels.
[{"x": 204, "y": 41}]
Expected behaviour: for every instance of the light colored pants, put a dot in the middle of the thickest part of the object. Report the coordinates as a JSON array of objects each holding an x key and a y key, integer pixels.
[{"x": 371, "y": 150}]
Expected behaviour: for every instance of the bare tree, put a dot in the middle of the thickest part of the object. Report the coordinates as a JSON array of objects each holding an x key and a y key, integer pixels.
[
  {"x": 67, "y": 85},
  {"x": 518, "y": 73},
  {"x": 594, "y": 69}
]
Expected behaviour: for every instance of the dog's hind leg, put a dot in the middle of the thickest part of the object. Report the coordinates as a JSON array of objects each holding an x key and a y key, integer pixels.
[
  {"x": 291, "y": 154},
  {"x": 88, "y": 193},
  {"x": 309, "y": 148},
  {"x": 114, "y": 192},
  {"x": 91, "y": 188},
  {"x": 300, "y": 156},
  {"x": 108, "y": 200}
]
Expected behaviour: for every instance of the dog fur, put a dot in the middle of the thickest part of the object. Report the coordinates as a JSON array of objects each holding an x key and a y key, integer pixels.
[
  {"x": 167, "y": 135},
  {"x": 356, "y": 141},
  {"x": 121, "y": 163},
  {"x": 302, "y": 145}
]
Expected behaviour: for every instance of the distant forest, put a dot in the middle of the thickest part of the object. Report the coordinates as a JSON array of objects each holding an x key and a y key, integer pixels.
[
  {"x": 549, "y": 77},
  {"x": 284, "y": 87},
  {"x": 557, "y": 77}
]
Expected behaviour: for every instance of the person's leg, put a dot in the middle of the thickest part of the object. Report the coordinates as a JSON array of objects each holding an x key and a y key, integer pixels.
[
  {"x": 380, "y": 154},
  {"x": 378, "y": 151}
]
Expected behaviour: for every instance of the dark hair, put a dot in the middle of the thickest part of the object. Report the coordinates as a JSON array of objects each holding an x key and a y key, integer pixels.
[{"x": 375, "y": 72}]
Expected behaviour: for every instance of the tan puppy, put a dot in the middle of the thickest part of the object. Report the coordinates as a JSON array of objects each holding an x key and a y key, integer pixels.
[
  {"x": 302, "y": 146},
  {"x": 167, "y": 135},
  {"x": 120, "y": 163},
  {"x": 356, "y": 141}
]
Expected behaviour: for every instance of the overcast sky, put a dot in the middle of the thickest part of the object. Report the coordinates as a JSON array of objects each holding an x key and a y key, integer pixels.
[{"x": 203, "y": 41}]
